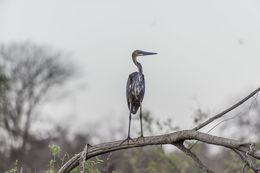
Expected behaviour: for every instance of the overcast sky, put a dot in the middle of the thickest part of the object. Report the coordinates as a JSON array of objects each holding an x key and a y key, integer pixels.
[{"x": 208, "y": 52}]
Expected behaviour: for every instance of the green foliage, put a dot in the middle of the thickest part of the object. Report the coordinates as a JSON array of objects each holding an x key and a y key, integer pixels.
[
  {"x": 14, "y": 169},
  {"x": 55, "y": 150},
  {"x": 257, "y": 145},
  {"x": 90, "y": 166},
  {"x": 185, "y": 164},
  {"x": 196, "y": 171},
  {"x": 91, "y": 163}
]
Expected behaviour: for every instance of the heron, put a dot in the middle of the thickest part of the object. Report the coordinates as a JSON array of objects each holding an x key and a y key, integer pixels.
[{"x": 135, "y": 90}]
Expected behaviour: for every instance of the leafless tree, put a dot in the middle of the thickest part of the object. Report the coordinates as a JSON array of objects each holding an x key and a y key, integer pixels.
[{"x": 32, "y": 71}]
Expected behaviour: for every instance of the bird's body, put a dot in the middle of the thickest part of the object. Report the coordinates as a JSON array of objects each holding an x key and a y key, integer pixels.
[{"x": 135, "y": 90}]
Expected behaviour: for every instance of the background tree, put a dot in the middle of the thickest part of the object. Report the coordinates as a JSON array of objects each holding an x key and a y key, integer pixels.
[
  {"x": 33, "y": 71},
  {"x": 3, "y": 82}
]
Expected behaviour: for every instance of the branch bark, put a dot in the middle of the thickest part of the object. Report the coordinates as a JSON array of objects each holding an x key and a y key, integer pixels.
[
  {"x": 171, "y": 138},
  {"x": 194, "y": 157}
]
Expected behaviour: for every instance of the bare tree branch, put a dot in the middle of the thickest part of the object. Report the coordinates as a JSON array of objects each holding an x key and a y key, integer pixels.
[
  {"x": 177, "y": 139},
  {"x": 83, "y": 159},
  {"x": 171, "y": 138},
  {"x": 193, "y": 156},
  {"x": 226, "y": 111},
  {"x": 244, "y": 159}
]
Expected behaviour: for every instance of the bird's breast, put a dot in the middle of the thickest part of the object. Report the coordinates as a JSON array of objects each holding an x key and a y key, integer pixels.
[{"x": 138, "y": 86}]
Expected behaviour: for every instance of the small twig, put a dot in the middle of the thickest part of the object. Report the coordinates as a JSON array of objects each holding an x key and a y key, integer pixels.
[
  {"x": 193, "y": 156},
  {"x": 226, "y": 111},
  {"x": 83, "y": 159},
  {"x": 255, "y": 101},
  {"x": 108, "y": 164},
  {"x": 244, "y": 159}
]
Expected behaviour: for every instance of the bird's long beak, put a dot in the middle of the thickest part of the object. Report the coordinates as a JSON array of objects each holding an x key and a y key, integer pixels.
[{"x": 143, "y": 53}]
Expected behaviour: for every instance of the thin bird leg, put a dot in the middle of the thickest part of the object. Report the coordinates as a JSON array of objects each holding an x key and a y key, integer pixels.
[
  {"x": 128, "y": 136},
  {"x": 141, "y": 117}
]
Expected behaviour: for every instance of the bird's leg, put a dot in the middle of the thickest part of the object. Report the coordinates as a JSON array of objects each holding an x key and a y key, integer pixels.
[
  {"x": 141, "y": 117},
  {"x": 128, "y": 136}
]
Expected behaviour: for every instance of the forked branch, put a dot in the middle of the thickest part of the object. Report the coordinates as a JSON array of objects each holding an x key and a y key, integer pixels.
[
  {"x": 176, "y": 139},
  {"x": 227, "y": 110},
  {"x": 171, "y": 138}
]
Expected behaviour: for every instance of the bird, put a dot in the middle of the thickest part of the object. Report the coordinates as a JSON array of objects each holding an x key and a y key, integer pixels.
[{"x": 135, "y": 89}]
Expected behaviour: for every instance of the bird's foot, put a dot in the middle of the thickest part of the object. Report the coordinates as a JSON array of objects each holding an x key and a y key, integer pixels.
[
  {"x": 127, "y": 139},
  {"x": 140, "y": 138}
]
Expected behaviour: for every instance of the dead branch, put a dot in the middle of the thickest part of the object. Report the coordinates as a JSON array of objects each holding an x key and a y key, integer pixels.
[
  {"x": 171, "y": 138},
  {"x": 193, "y": 156},
  {"x": 226, "y": 111},
  {"x": 247, "y": 162},
  {"x": 177, "y": 139}
]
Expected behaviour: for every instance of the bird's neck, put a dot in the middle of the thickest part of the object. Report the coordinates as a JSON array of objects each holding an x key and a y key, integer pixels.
[{"x": 140, "y": 68}]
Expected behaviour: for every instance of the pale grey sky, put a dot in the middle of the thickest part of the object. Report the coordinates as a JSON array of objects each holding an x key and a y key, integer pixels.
[{"x": 208, "y": 52}]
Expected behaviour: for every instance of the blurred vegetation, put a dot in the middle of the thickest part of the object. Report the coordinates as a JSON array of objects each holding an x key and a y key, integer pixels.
[
  {"x": 23, "y": 75},
  {"x": 3, "y": 82}
]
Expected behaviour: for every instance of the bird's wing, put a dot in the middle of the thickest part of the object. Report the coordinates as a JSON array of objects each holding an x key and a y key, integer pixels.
[
  {"x": 142, "y": 90},
  {"x": 128, "y": 90}
]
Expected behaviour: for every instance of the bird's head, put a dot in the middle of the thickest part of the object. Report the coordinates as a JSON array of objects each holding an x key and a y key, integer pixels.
[{"x": 140, "y": 53}]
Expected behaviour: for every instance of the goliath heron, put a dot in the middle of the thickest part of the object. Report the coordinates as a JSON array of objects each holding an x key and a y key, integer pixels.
[{"x": 135, "y": 89}]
